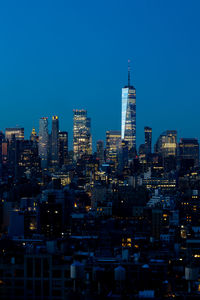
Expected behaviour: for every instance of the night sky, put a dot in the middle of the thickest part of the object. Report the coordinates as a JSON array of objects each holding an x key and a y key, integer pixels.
[{"x": 61, "y": 55}]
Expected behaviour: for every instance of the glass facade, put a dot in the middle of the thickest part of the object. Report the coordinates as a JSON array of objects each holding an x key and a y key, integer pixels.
[
  {"x": 128, "y": 121},
  {"x": 82, "y": 138},
  {"x": 43, "y": 142}
]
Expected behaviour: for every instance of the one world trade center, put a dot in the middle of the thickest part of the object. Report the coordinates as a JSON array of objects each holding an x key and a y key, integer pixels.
[{"x": 128, "y": 122}]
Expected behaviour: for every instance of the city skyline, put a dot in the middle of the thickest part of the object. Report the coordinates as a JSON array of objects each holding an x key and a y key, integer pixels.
[
  {"x": 128, "y": 95},
  {"x": 43, "y": 63},
  {"x": 99, "y": 150}
]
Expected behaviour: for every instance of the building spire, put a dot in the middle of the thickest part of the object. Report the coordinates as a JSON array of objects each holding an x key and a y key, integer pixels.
[{"x": 129, "y": 68}]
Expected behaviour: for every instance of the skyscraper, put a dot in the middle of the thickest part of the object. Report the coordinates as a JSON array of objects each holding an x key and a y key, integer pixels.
[
  {"x": 128, "y": 121},
  {"x": 43, "y": 142},
  {"x": 148, "y": 139},
  {"x": 82, "y": 139},
  {"x": 113, "y": 143},
  {"x": 100, "y": 152},
  {"x": 63, "y": 147},
  {"x": 54, "y": 141},
  {"x": 188, "y": 149},
  {"x": 34, "y": 137}
]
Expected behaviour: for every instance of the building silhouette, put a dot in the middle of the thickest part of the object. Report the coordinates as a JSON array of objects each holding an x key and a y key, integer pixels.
[
  {"x": 43, "y": 146},
  {"x": 188, "y": 149},
  {"x": 54, "y": 141},
  {"x": 63, "y": 148},
  {"x": 148, "y": 139},
  {"x": 100, "y": 151}
]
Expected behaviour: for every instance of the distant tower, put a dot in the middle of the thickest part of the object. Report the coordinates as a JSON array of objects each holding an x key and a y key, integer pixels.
[
  {"x": 82, "y": 139},
  {"x": 33, "y": 137},
  {"x": 63, "y": 147},
  {"x": 166, "y": 144},
  {"x": 128, "y": 121},
  {"x": 100, "y": 152},
  {"x": 54, "y": 141},
  {"x": 113, "y": 144},
  {"x": 148, "y": 139},
  {"x": 43, "y": 142}
]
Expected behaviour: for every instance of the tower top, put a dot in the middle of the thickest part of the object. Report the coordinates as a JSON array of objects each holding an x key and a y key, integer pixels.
[{"x": 129, "y": 69}]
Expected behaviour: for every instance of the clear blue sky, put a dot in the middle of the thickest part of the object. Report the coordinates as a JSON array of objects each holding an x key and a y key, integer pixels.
[{"x": 60, "y": 55}]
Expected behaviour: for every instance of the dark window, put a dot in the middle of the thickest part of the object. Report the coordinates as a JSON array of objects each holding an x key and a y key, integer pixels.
[
  {"x": 29, "y": 267},
  {"x": 37, "y": 267}
]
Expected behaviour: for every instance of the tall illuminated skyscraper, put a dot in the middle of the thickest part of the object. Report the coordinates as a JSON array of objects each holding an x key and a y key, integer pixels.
[
  {"x": 54, "y": 141},
  {"x": 43, "y": 142},
  {"x": 128, "y": 121},
  {"x": 82, "y": 139}
]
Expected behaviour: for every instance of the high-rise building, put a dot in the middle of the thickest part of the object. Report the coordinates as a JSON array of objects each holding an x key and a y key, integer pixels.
[
  {"x": 128, "y": 121},
  {"x": 100, "y": 152},
  {"x": 166, "y": 144},
  {"x": 113, "y": 143},
  {"x": 43, "y": 146},
  {"x": 188, "y": 149},
  {"x": 148, "y": 139},
  {"x": 33, "y": 136},
  {"x": 82, "y": 139},
  {"x": 63, "y": 148},
  {"x": 123, "y": 155},
  {"x": 54, "y": 141},
  {"x": 18, "y": 133},
  {"x": 27, "y": 159}
]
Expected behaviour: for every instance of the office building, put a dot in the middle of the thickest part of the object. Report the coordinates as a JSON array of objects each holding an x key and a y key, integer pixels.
[
  {"x": 100, "y": 152},
  {"x": 148, "y": 139},
  {"x": 166, "y": 144},
  {"x": 123, "y": 155},
  {"x": 27, "y": 159},
  {"x": 63, "y": 148},
  {"x": 128, "y": 120},
  {"x": 43, "y": 147},
  {"x": 18, "y": 133},
  {"x": 188, "y": 149},
  {"x": 113, "y": 143},
  {"x": 54, "y": 141},
  {"x": 82, "y": 139}
]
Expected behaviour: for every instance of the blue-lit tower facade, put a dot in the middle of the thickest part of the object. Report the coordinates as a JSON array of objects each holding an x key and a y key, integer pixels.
[{"x": 128, "y": 121}]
